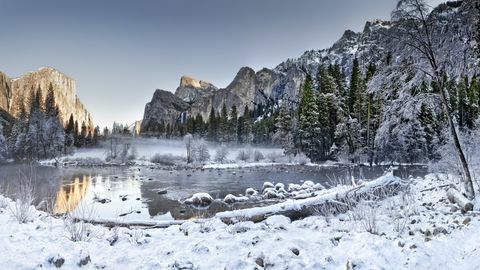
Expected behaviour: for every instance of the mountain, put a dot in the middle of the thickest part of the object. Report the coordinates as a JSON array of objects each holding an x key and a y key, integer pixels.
[
  {"x": 378, "y": 44},
  {"x": 15, "y": 90}
]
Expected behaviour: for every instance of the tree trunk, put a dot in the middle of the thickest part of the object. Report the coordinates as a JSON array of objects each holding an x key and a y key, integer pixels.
[{"x": 467, "y": 178}]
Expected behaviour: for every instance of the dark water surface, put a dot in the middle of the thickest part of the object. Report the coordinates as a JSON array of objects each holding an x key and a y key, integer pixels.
[{"x": 131, "y": 193}]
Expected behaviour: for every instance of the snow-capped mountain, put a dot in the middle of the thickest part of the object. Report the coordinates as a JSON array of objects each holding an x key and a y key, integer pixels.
[{"x": 399, "y": 68}]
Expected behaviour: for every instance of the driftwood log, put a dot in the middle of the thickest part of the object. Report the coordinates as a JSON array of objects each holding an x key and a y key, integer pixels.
[
  {"x": 337, "y": 201},
  {"x": 454, "y": 196}
]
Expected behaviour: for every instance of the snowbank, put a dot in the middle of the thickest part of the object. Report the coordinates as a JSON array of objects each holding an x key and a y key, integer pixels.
[{"x": 435, "y": 236}]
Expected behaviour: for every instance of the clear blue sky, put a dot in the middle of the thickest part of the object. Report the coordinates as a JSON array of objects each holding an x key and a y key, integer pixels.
[{"x": 119, "y": 52}]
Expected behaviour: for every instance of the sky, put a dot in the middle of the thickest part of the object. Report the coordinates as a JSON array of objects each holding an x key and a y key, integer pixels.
[{"x": 119, "y": 52}]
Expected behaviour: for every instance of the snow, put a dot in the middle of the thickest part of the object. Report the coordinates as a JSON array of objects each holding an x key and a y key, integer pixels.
[{"x": 435, "y": 237}]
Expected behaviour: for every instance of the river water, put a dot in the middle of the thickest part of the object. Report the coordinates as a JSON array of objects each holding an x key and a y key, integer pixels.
[{"x": 132, "y": 193}]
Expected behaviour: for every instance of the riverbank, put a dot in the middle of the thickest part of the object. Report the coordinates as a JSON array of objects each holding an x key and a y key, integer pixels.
[{"x": 419, "y": 229}]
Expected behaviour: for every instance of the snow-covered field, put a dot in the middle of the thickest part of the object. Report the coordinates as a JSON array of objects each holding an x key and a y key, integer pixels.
[{"x": 418, "y": 230}]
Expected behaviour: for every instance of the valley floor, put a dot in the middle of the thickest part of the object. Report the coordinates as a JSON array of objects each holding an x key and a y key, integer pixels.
[{"x": 433, "y": 235}]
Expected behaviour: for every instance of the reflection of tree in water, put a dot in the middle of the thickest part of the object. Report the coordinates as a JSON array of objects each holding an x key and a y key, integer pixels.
[{"x": 70, "y": 195}]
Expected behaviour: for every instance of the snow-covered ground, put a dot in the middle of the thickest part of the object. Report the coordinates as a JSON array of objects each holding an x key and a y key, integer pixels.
[{"x": 418, "y": 230}]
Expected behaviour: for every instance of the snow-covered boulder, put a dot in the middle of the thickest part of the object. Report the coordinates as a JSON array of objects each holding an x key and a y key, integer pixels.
[
  {"x": 230, "y": 198},
  {"x": 250, "y": 192},
  {"x": 200, "y": 199},
  {"x": 294, "y": 187},
  {"x": 279, "y": 186},
  {"x": 278, "y": 222},
  {"x": 270, "y": 193},
  {"x": 308, "y": 184},
  {"x": 268, "y": 185}
]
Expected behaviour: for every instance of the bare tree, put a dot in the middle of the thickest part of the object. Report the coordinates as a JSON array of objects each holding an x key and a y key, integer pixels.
[
  {"x": 188, "y": 140},
  {"x": 417, "y": 32}
]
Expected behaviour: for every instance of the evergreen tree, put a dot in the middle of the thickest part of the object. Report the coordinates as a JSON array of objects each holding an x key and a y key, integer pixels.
[
  {"x": 223, "y": 125},
  {"x": 212, "y": 125},
  {"x": 54, "y": 133},
  {"x": 354, "y": 86},
  {"x": 247, "y": 133},
  {"x": 233, "y": 125},
  {"x": 309, "y": 125},
  {"x": 428, "y": 124},
  {"x": 283, "y": 134},
  {"x": 17, "y": 138},
  {"x": 462, "y": 105},
  {"x": 3, "y": 145},
  {"x": 35, "y": 147}
]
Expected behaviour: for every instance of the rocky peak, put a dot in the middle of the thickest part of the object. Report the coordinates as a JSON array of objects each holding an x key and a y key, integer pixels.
[
  {"x": 13, "y": 91},
  {"x": 191, "y": 89}
]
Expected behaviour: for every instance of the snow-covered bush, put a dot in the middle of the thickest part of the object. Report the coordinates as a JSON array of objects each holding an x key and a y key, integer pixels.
[
  {"x": 221, "y": 154},
  {"x": 243, "y": 155},
  {"x": 400, "y": 208},
  {"x": 75, "y": 222},
  {"x": 25, "y": 195},
  {"x": 301, "y": 159},
  {"x": 258, "y": 156},
  {"x": 274, "y": 156},
  {"x": 166, "y": 159},
  {"x": 367, "y": 215}
]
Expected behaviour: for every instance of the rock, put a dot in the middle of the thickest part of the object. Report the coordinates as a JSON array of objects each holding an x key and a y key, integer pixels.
[
  {"x": 439, "y": 230},
  {"x": 467, "y": 221},
  {"x": 279, "y": 186},
  {"x": 259, "y": 261},
  {"x": 162, "y": 192},
  {"x": 270, "y": 194},
  {"x": 267, "y": 185},
  {"x": 84, "y": 261},
  {"x": 64, "y": 89},
  {"x": 233, "y": 199},
  {"x": 295, "y": 251},
  {"x": 401, "y": 244},
  {"x": 308, "y": 184},
  {"x": 294, "y": 187},
  {"x": 56, "y": 261},
  {"x": 200, "y": 199},
  {"x": 182, "y": 264},
  {"x": 454, "y": 209},
  {"x": 413, "y": 246},
  {"x": 427, "y": 232},
  {"x": 250, "y": 192}
]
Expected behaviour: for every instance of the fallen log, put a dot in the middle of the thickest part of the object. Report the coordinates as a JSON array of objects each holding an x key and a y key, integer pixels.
[
  {"x": 338, "y": 199},
  {"x": 454, "y": 196},
  {"x": 151, "y": 224}
]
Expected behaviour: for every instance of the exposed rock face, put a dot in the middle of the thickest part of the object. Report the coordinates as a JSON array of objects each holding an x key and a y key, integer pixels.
[
  {"x": 165, "y": 107},
  {"x": 14, "y": 91},
  {"x": 191, "y": 89},
  {"x": 453, "y": 22}
]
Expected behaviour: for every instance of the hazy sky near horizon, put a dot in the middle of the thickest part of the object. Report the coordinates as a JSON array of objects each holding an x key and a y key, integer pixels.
[{"x": 119, "y": 52}]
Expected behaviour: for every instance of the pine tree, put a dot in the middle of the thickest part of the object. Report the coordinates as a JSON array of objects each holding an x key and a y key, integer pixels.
[
  {"x": 462, "y": 105},
  {"x": 53, "y": 132},
  {"x": 472, "y": 103},
  {"x": 354, "y": 86},
  {"x": 233, "y": 125},
  {"x": 428, "y": 124},
  {"x": 35, "y": 145},
  {"x": 223, "y": 125},
  {"x": 309, "y": 125},
  {"x": 3, "y": 144},
  {"x": 283, "y": 134},
  {"x": 212, "y": 125},
  {"x": 247, "y": 134},
  {"x": 70, "y": 134}
]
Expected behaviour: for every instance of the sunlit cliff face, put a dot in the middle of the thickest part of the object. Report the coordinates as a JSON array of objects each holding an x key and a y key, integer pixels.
[{"x": 70, "y": 195}]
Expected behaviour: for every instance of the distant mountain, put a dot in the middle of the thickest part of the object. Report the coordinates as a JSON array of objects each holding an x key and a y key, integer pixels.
[
  {"x": 454, "y": 24},
  {"x": 16, "y": 90}
]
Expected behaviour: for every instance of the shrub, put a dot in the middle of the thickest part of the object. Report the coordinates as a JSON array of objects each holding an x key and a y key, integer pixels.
[
  {"x": 221, "y": 154},
  {"x": 274, "y": 156},
  {"x": 257, "y": 156},
  {"x": 201, "y": 153},
  {"x": 301, "y": 159},
  {"x": 243, "y": 155},
  {"x": 166, "y": 159}
]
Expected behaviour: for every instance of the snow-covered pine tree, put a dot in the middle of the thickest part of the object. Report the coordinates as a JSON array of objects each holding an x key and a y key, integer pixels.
[
  {"x": 53, "y": 132},
  {"x": 309, "y": 122},
  {"x": 247, "y": 134},
  {"x": 233, "y": 125},
  {"x": 3, "y": 144},
  {"x": 35, "y": 145},
  {"x": 223, "y": 125},
  {"x": 283, "y": 134},
  {"x": 212, "y": 125}
]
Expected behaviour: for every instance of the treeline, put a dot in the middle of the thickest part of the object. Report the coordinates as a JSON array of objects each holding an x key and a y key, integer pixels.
[
  {"x": 335, "y": 120},
  {"x": 223, "y": 126},
  {"x": 39, "y": 132}
]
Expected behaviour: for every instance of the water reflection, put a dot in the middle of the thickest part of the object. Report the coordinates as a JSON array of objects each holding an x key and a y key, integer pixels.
[
  {"x": 131, "y": 193},
  {"x": 70, "y": 195}
]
